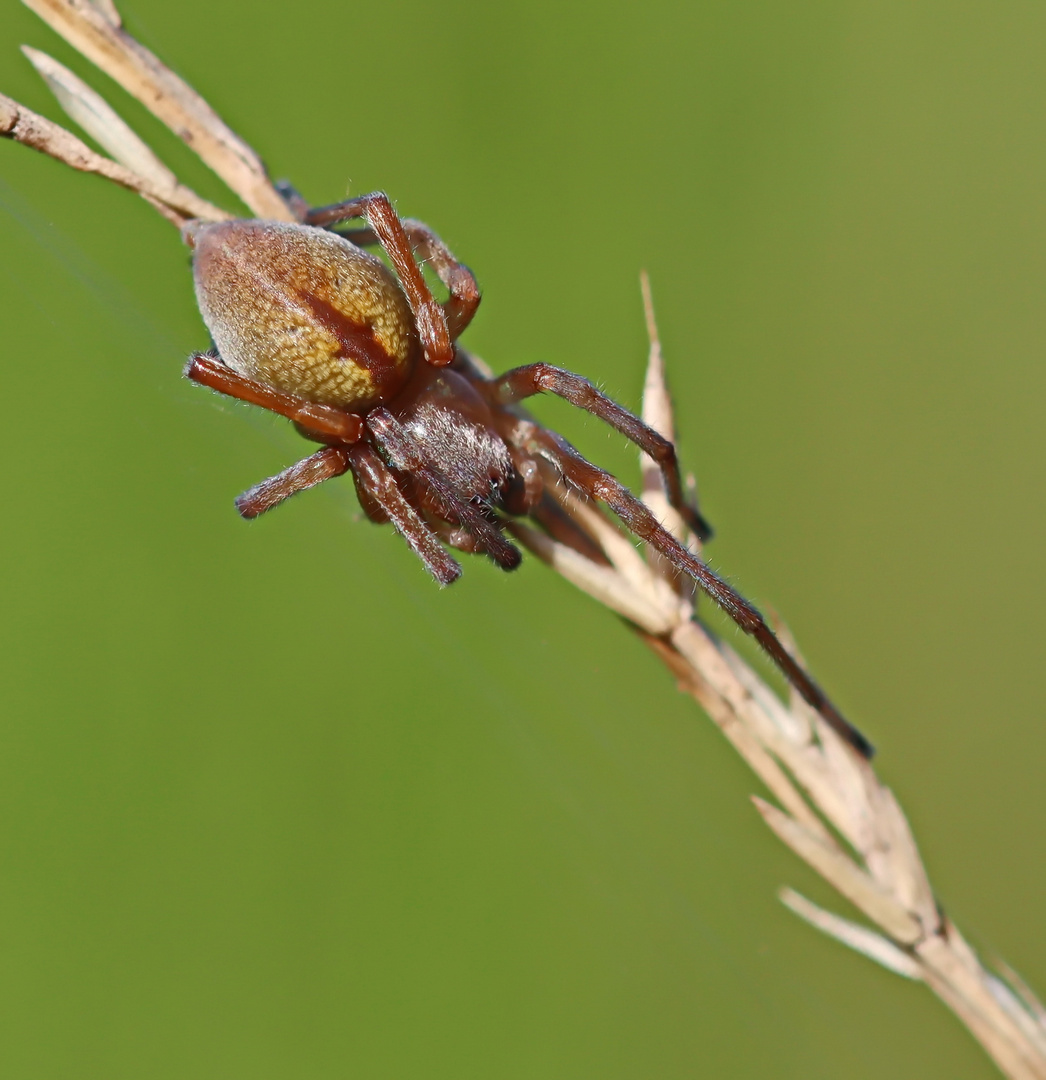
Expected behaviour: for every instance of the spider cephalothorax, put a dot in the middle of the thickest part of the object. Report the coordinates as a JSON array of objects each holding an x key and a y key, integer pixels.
[{"x": 364, "y": 362}]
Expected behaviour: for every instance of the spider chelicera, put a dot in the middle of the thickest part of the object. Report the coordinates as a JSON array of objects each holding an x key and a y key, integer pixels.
[{"x": 364, "y": 362}]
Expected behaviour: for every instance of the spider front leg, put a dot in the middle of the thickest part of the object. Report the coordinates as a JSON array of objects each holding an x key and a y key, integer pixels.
[
  {"x": 598, "y": 484},
  {"x": 431, "y": 321},
  {"x": 534, "y": 379}
]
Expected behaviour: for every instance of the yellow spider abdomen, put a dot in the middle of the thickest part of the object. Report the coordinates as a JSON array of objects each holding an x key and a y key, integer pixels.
[{"x": 303, "y": 310}]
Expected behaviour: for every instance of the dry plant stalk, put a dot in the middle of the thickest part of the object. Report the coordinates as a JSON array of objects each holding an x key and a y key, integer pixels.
[{"x": 831, "y": 809}]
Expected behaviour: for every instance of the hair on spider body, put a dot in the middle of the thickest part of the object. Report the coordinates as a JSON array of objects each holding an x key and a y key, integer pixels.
[{"x": 362, "y": 359}]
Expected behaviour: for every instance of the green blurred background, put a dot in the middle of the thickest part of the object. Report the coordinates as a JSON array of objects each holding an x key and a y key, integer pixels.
[{"x": 272, "y": 805}]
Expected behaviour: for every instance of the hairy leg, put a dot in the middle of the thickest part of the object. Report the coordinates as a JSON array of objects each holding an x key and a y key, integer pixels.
[
  {"x": 293, "y": 200},
  {"x": 456, "y": 276},
  {"x": 329, "y": 462},
  {"x": 534, "y": 379},
  {"x": 325, "y": 421},
  {"x": 375, "y": 478}
]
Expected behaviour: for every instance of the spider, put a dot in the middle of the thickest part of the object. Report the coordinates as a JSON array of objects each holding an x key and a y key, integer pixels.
[{"x": 364, "y": 362}]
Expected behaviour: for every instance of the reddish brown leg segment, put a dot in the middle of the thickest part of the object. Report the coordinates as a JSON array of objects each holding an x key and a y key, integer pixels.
[
  {"x": 329, "y": 462},
  {"x": 597, "y": 484},
  {"x": 374, "y": 478},
  {"x": 323, "y": 420},
  {"x": 533, "y": 379},
  {"x": 387, "y": 227},
  {"x": 458, "y": 278}
]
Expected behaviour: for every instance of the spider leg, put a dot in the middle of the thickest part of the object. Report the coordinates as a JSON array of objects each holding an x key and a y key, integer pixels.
[
  {"x": 464, "y": 298},
  {"x": 524, "y": 382},
  {"x": 375, "y": 478},
  {"x": 329, "y": 462},
  {"x": 372, "y": 509},
  {"x": 598, "y": 484},
  {"x": 404, "y": 455},
  {"x": 456, "y": 276},
  {"x": 322, "y": 420},
  {"x": 387, "y": 227}
]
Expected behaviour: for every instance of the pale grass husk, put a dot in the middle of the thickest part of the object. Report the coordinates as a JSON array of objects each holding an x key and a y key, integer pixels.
[{"x": 829, "y": 806}]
